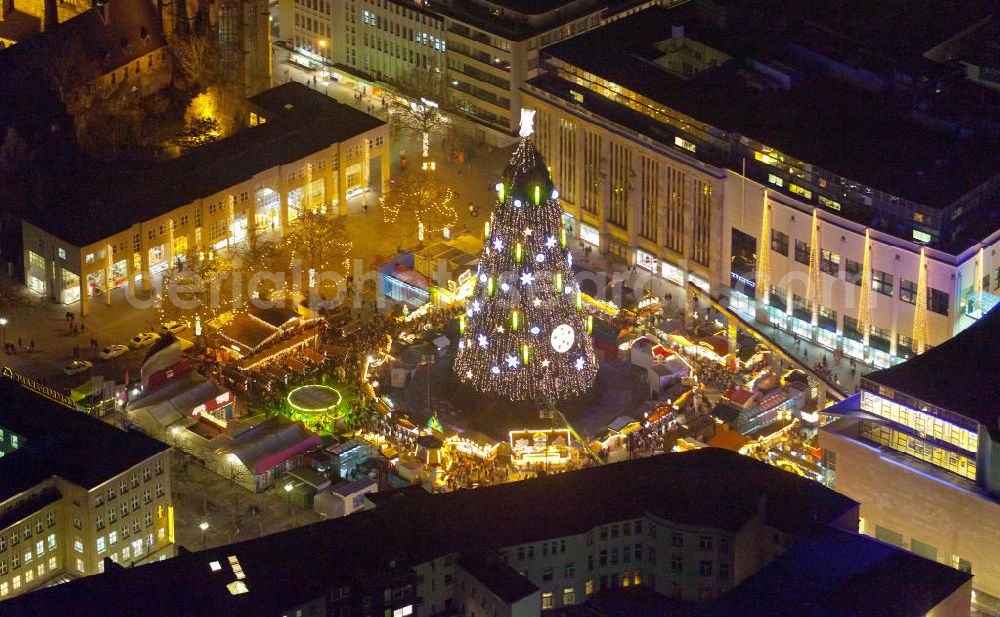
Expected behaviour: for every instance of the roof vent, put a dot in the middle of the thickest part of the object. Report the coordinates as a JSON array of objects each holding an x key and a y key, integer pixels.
[{"x": 288, "y": 106}]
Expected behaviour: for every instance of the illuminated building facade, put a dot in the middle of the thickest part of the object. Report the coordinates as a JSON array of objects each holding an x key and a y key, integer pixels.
[
  {"x": 917, "y": 447},
  {"x": 470, "y": 56},
  {"x": 504, "y": 551},
  {"x": 75, "y": 491},
  {"x": 657, "y": 129},
  {"x": 253, "y": 183}
]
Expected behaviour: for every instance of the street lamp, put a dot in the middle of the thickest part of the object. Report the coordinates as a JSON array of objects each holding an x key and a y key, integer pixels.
[
  {"x": 173, "y": 431},
  {"x": 203, "y": 526},
  {"x": 3, "y": 326},
  {"x": 288, "y": 490}
]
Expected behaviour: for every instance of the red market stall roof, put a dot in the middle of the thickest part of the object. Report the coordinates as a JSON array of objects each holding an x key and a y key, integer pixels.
[
  {"x": 269, "y": 444},
  {"x": 661, "y": 351},
  {"x": 718, "y": 344},
  {"x": 738, "y": 396}
]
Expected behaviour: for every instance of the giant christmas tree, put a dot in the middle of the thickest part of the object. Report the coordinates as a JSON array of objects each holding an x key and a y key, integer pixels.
[{"x": 524, "y": 334}]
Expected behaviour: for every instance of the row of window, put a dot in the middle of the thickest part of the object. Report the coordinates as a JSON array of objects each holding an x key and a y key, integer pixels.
[
  {"x": 29, "y": 555},
  {"x": 881, "y": 282},
  {"x": 14, "y": 585},
  {"x": 26, "y": 531}
]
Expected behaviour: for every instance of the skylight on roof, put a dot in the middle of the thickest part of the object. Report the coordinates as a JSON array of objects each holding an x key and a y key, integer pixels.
[{"x": 215, "y": 565}]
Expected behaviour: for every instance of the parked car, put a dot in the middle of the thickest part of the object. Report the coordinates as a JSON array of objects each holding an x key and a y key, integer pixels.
[
  {"x": 113, "y": 351},
  {"x": 143, "y": 339},
  {"x": 77, "y": 366},
  {"x": 174, "y": 327}
]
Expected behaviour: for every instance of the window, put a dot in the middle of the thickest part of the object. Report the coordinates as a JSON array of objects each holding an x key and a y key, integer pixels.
[
  {"x": 588, "y": 588},
  {"x": 3, "y": 545},
  {"x": 147, "y": 496},
  {"x": 569, "y": 570},
  {"x": 78, "y": 545},
  {"x": 61, "y": 252},
  {"x": 923, "y": 549},
  {"x": 569, "y": 596},
  {"x": 882, "y": 282},
  {"x": 775, "y": 180},
  {"x": 705, "y": 543},
  {"x": 829, "y": 203},
  {"x": 802, "y": 252},
  {"x": 907, "y": 291},
  {"x": 677, "y": 539},
  {"x": 800, "y": 191},
  {"x": 113, "y": 538},
  {"x": 603, "y": 560},
  {"x": 51, "y": 541},
  {"x": 101, "y": 545},
  {"x": 159, "y": 489},
  {"x": 852, "y": 271},
  {"x": 779, "y": 242},
  {"x": 937, "y": 301},
  {"x": 888, "y": 535},
  {"x": 79, "y": 566},
  {"x": 149, "y": 519},
  {"x": 676, "y": 563},
  {"x": 704, "y": 568},
  {"x": 961, "y": 564},
  {"x": 547, "y": 574},
  {"x": 547, "y": 602},
  {"x": 829, "y": 262}
]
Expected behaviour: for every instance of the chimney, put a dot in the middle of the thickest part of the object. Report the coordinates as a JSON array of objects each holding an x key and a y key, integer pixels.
[
  {"x": 6, "y": 8},
  {"x": 677, "y": 32},
  {"x": 51, "y": 16}
]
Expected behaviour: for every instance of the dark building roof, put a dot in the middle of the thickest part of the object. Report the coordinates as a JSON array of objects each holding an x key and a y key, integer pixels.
[
  {"x": 298, "y": 102},
  {"x": 956, "y": 375},
  {"x": 502, "y": 580},
  {"x": 864, "y": 136},
  {"x": 58, "y": 441},
  {"x": 408, "y": 527},
  {"x": 102, "y": 39},
  {"x": 517, "y": 20},
  {"x": 97, "y": 203},
  {"x": 834, "y": 573}
]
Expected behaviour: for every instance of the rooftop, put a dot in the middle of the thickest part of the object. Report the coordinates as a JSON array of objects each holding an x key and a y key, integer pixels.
[
  {"x": 835, "y": 573},
  {"x": 410, "y": 526},
  {"x": 58, "y": 441},
  {"x": 516, "y": 20},
  {"x": 952, "y": 375},
  {"x": 758, "y": 86},
  {"x": 108, "y": 200}
]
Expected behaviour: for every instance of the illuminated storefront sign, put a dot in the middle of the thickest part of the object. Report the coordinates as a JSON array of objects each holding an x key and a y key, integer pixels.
[
  {"x": 645, "y": 260},
  {"x": 590, "y": 234}
]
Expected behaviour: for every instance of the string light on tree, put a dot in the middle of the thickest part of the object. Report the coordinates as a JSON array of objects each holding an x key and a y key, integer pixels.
[{"x": 539, "y": 344}]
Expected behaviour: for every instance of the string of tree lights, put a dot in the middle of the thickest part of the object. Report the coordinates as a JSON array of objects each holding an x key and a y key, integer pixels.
[{"x": 524, "y": 333}]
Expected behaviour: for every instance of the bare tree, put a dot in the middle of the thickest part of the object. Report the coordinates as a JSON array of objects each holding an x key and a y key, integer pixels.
[
  {"x": 421, "y": 119},
  {"x": 319, "y": 239},
  {"x": 196, "y": 60},
  {"x": 418, "y": 203}
]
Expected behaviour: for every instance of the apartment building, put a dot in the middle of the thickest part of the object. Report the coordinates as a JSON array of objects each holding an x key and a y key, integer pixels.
[
  {"x": 917, "y": 448},
  {"x": 701, "y": 151},
  {"x": 469, "y": 56},
  {"x": 302, "y": 150},
  {"x": 74, "y": 492},
  {"x": 520, "y": 549}
]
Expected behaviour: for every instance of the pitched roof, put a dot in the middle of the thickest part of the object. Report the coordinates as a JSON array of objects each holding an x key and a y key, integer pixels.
[{"x": 58, "y": 441}]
